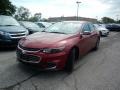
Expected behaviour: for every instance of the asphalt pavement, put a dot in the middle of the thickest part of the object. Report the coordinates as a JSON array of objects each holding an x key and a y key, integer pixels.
[{"x": 98, "y": 70}]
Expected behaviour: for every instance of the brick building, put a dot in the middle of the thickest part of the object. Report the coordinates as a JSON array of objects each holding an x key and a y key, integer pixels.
[{"x": 74, "y": 18}]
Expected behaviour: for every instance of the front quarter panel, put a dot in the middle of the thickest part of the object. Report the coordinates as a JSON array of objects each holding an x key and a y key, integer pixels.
[{"x": 70, "y": 43}]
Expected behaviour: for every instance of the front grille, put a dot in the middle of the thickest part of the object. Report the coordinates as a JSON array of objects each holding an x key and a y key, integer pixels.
[
  {"x": 27, "y": 57},
  {"x": 17, "y": 35},
  {"x": 16, "y": 32}
]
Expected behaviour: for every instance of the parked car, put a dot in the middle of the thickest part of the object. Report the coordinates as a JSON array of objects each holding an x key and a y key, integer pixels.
[
  {"x": 53, "y": 22},
  {"x": 10, "y": 31},
  {"x": 32, "y": 27},
  {"x": 43, "y": 24},
  {"x": 59, "y": 46},
  {"x": 113, "y": 27},
  {"x": 102, "y": 29}
]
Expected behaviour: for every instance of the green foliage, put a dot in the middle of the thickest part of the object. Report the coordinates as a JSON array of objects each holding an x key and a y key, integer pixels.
[
  {"x": 108, "y": 20},
  {"x": 118, "y": 21},
  {"x": 44, "y": 20},
  {"x": 22, "y": 14},
  {"x": 6, "y": 7},
  {"x": 36, "y": 17},
  {"x": 33, "y": 19}
]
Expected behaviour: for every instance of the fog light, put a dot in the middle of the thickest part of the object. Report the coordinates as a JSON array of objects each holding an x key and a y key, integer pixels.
[{"x": 51, "y": 65}]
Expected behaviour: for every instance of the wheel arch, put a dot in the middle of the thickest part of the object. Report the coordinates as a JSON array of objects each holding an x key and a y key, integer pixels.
[{"x": 76, "y": 52}]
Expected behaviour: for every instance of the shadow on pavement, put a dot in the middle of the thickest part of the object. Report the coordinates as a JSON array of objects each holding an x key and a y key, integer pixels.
[
  {"x": 31, "y": 69},
  {"x": 7, "y": 49}
]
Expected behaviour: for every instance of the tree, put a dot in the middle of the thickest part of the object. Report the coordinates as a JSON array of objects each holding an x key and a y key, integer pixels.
[
  {"x": 6, "y": 7},
  {"x": 108, "y": 20},
  {"x": 45, "y": 20},
  {"x": 36, "y": 17},
  {"x": 118, "y": 21},
  {"x": 22, "y": 14}
]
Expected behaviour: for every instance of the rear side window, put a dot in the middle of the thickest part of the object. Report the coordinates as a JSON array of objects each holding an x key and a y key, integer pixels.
[
  {"x": 41, "y": 25},
  {"x": 92, "y": 27},
  {"x": 86, "y": 28}
]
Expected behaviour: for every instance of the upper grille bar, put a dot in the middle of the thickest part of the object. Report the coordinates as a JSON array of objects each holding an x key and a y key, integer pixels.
[{"x": 30, "y": 50}]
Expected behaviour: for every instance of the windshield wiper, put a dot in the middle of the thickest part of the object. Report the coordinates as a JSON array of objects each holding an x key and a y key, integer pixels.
[
  {"x": 43, "y": 31},
  {"x": 58, "y": 32},
  {"x": 7, "y": 25}
]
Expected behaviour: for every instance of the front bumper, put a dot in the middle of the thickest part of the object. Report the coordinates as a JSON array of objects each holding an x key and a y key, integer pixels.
[
  {"x": 11, "y": 38},
  {"x": 43, "y": 61},
  {"x": 104, "y": 33}
]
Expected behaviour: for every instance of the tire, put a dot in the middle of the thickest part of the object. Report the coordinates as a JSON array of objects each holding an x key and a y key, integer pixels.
[
  {"x": 69, "y": 67},
  {"x": 107, "y": 33},
  {"x": 100, "y": 33},
  {"x": 97, "y": 45}
]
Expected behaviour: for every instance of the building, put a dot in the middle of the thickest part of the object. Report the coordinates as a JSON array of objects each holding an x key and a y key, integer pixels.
[{"x": 71, "y": 18}]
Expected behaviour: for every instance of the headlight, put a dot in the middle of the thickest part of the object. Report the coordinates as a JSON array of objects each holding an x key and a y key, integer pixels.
[
  {"x": 104, "y": 30},
  {"x": 2, "y": 33},
  {"x": 27, "y": 32},
  {"x": 53, "y": 50}
]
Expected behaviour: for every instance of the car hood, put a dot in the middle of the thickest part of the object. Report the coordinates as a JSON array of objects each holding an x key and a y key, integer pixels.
[
  {"x": 44, "y": 40},
  {"x": 102, "y": 28},
  {"x": 12, "y": 28},
  {"x": 35, "y": 29}
]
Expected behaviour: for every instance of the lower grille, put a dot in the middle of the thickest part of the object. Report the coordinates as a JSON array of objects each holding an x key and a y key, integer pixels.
[{"x": 29, "y": 58}]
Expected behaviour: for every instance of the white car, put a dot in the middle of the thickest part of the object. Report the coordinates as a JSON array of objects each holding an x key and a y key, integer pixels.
[
  {"x": 43, "y": 24},
  {"x": 101, "y": 28}
]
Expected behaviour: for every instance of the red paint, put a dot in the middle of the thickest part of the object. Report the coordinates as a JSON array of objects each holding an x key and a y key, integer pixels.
[{"x": 51, "y": 40}]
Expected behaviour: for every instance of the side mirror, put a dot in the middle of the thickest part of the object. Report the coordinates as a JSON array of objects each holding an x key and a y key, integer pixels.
[{"x": 86, "y": 33}]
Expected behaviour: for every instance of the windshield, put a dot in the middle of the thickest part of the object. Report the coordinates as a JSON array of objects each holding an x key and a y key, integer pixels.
[
  {"x": 46, "y": 24},
  {"x": 30, "y": 25},
  {"x": 8, "y": 21},
  {"x": 64, "y": 27},
  {"x": 99, "y": 25},
  {"x": 43, "y": 24}
]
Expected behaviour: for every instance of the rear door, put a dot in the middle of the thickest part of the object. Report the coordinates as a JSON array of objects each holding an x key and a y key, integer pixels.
[{"x": 93, "y": 36}]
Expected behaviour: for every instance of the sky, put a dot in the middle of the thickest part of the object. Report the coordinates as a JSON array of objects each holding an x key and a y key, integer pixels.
[{"x": 87, "y": 8}]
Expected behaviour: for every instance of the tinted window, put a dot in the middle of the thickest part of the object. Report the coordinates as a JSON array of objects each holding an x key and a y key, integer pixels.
[
  {"x": 41, "y": 25},
  {"x": 46, "y": 24},
  {"x": 92, "y": 28},
  {"x": 86, "y": 28}
]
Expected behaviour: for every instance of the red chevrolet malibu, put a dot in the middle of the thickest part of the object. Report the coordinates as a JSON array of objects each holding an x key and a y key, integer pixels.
[{"x": 58, "y": 46}]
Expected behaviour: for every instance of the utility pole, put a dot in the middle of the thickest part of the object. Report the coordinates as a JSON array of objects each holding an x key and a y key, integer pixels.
[
  {"x": 78, "y": 2},
  {"x": 117, "y": 17}
]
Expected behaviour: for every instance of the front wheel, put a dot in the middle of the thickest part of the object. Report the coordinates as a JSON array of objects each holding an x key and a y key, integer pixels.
[
  {"x": 100, "y": 33},
  {"x": 70, "y": 62}
]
